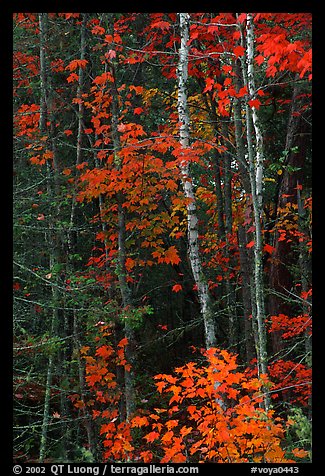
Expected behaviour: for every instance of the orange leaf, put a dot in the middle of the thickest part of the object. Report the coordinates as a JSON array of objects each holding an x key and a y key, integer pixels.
[
  {"x": 72, "y": 77},
  {"x": 152, "y": 436},
  {"x": 123, "y": 342},
  {"x": 299, "y": 453},
  {"x": 171, "y": 256},
  {"x": 139, "y": 421}
]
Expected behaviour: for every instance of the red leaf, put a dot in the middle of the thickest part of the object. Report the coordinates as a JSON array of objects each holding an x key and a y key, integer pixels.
[
  {"x": 250, "y": 244},
  {"x": 73, "y": 65},
  {"x": 209, "y": 84},
  {"x": 242, "y": 17},
  {"x": 138, "y": 110},
  {"x": 177, "y": 287},
  {"x": 269, "y": 249},
  {"x": 239, "y": 51},
  {"x": 163, "y": 25},
  {"x": 259, "y": 59},
  {"x": 242, "y": 92},
  {"x": 254, "y": 103}
]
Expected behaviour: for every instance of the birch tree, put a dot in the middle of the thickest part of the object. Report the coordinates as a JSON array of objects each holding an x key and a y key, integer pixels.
[
  {"x": 256, "y": 167},
  {"x": 192, "y": 219}
]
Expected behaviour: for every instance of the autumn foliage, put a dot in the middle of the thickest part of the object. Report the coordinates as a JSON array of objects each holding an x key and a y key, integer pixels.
[
  {"x": 120, "y": 270},
  {"x": 211, "y": 412}
]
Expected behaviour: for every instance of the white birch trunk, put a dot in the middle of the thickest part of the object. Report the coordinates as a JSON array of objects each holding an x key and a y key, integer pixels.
[
  {"x": 255, "y": 160},
  {"x": 192, "y": 220}
]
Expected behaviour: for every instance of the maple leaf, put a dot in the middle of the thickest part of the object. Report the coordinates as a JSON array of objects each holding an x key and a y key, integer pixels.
[
  {"x": 242, "y": 92},
  {"x": 162, "y": 25},
  {"x": 137, "y": 89},
  {"x": 161, "y": 386},
  {"x": 111, "y": 54},
  {"x": 96, "y": 414},
  {"x": 104, "y": 351},
  {"x": 84, "y": 349},
  {"x": 146, "y": 456},
  {"x": 82, "y": 165},
  {"x": 177, "y": 287},
  {"x": 242, "y": 17},
  {"x": 74, "y": 64},
  {"x": 103, "y": 78},
  {"x": 123, "y": 342},
  {"x": 138, "y": 110},
  {"x": 72, "y": 77},
  {"x": 68, "y": 132},
  {"x": 269, "y": 249},
  {"x": 139, "y": 421},
  {"x": 152, "y": 436},
  {"x": 209, "y": 84},
  {"x": 98, "y": 30},
  {"x": 239, "y": 51},
  {"x": 254, "y": 103},
  {"x": 259, "y": 59},
  {"x": 299, "y": 453},
  {"x": 171, "y": 256}
]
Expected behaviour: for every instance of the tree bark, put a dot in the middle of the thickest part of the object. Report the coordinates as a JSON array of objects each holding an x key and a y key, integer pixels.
[
  {"x": 126, "y": 293},
  {"x": 192, "y": 220},
  {"x": 43, "y": 128},
  {"x": 255, "y": 160},
  {"x": 280, "y": 276}
]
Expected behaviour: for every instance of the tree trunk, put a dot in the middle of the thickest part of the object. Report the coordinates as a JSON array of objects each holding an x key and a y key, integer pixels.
[
  {"x": 255, "y": 160},
  {"x": 192, "y": 220},
  {"x": 245, "y": 272},
  {"x": 281, "y": 278},
  {"x": 43, "y": 127},
  {"x": 126, "y": 293}
]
